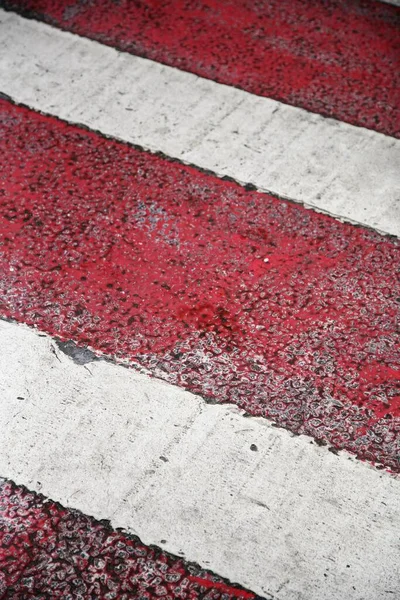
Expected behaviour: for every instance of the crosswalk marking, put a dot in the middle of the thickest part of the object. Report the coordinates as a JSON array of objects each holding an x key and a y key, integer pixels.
[
  {"x": 338, "y": 58},
  {"x": 160, "y": 231},
  {"x": 343, "y": 170},
  {"x": 278, "y": 513},
  {"x": 233, "y": 294}
]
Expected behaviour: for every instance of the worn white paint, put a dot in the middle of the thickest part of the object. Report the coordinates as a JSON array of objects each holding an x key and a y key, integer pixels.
[
  {"x": 290, "y": 521},
  {"x": 340, "y": 169}
]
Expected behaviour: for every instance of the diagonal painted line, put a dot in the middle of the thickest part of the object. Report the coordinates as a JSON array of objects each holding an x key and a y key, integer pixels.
[
  {"x": 278, "y": 513},
  {"x": 302, "y": 332},
  {"x": 47, "y": 551},
  {"x": 145, "y": 258},
  {"x": 234, "y": 294},
  {"x": 343, "y": 170},
  {"x": 334, "y": 57}
]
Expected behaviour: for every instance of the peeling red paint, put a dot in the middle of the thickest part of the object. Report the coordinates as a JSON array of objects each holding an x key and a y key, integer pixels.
[
  {"x": 233, "y": 294},
  {"x": 49, "y": 553},
  {"x": 339, "y": 58}
]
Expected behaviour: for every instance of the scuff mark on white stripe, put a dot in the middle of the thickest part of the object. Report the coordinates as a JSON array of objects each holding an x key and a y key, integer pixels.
[
  {"x": 343, "y": 170},
  {"x": 274, "y": 512}
]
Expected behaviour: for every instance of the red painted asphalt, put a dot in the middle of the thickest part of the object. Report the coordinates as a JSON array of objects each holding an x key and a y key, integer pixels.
[
  {"x": 228, "y": 292},
  {"x": 48, "y": 553},
  {"x": 339, "y": 58}
]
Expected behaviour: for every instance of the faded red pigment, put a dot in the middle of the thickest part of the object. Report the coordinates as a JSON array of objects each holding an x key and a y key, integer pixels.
[
  {"x": 233, "y": 294},
  {"x": 50, "y": 553},
  {"x": 338, "y": 58}
]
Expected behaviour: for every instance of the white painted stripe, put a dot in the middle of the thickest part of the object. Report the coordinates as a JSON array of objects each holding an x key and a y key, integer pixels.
[
  {"x": 290, "y": 521},
  {"x": 341, "y": 169}
]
